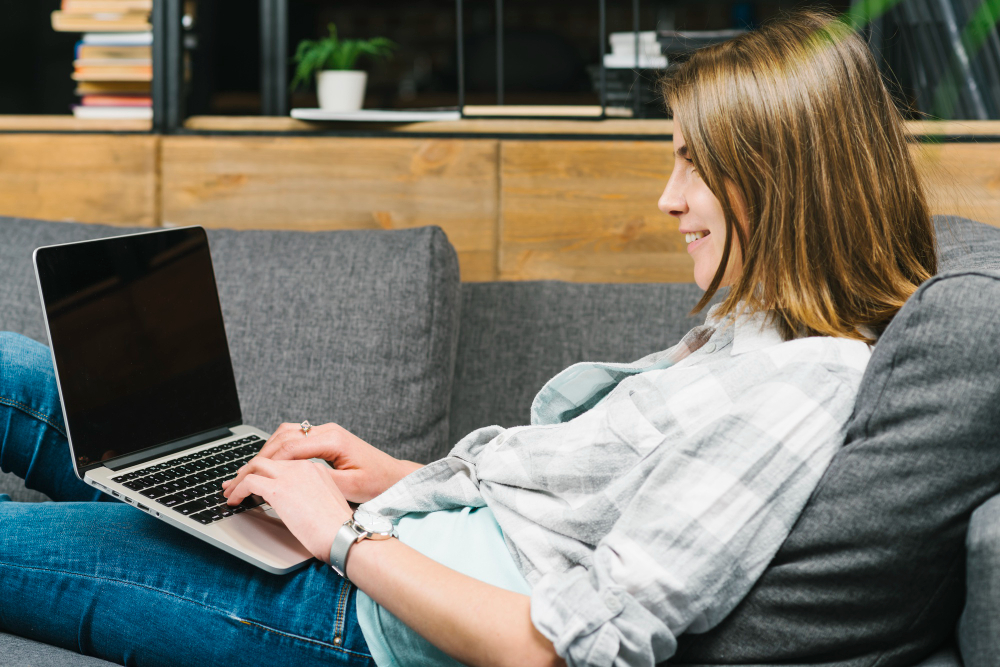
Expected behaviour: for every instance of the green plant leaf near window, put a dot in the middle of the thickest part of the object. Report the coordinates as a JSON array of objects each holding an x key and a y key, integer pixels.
[{"x": 331, "y": 52}]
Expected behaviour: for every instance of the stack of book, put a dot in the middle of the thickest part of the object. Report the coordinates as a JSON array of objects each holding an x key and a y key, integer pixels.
[
  {"x": 113, "y": 67},
  {"x": 623, "y": 51}
]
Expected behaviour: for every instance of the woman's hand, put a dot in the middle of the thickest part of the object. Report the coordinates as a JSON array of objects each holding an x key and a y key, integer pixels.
[
  {"x": 302, "y": 493},
  {"x": 360, "y": 470}
]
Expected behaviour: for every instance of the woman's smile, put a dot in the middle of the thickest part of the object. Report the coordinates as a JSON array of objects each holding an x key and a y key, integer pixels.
[{"x": 695, "y": 239}]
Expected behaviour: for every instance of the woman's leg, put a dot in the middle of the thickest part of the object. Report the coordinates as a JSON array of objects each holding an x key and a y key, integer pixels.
[
  {"x": 109, "y": 581},
  {"x": 106, "y": 580},
  {"x": 33, "y": 442}
]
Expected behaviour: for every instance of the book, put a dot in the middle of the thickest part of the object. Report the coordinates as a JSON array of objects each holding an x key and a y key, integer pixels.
[
  {"x": 110, "y": 22},
  {"x": 99, "y": 6},
  {"x": 116, "y": 101},
  {"x": 113, "y": 74},
  {"x": 117, "y": 113},
  {"x": 112, "y": 87},
  {"x": 628, "y": 61},
  {"x": 532, "y": 111},
  {"x": 89, "y": 52},
  {"x": 112, "y": 62},
  {"x": 118, "y": 39}
]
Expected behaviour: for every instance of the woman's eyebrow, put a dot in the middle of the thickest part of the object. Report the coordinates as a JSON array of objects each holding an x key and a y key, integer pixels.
[{"x": 682, "y": 152}]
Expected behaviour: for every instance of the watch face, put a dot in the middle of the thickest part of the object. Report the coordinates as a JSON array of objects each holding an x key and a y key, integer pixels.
[{"x": 371, "y": 522}]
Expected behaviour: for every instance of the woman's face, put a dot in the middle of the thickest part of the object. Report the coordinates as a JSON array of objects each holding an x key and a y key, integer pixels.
[{"x": 688, "y": 198}]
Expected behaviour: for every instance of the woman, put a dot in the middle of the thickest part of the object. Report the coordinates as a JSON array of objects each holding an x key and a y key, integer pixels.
[{"x": 642, "y": 502}]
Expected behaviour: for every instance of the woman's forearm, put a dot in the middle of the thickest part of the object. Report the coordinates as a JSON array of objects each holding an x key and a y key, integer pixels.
[{"x": 474, "y": 622}]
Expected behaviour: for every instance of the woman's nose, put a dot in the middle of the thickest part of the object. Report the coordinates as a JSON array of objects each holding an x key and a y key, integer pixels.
[{"x": 672, "y": 200}]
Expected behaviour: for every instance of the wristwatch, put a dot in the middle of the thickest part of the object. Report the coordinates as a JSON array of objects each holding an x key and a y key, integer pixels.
[{"x": 364, "y": 525}]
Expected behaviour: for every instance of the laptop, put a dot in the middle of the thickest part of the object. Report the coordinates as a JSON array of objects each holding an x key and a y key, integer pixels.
[{"x": 148, "y": 393}]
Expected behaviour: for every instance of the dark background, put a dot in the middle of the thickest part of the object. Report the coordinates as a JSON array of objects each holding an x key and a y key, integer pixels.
[{"x": 549, "y": 44}]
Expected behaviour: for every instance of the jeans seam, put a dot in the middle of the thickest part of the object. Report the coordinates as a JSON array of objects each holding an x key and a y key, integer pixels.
[
  {"x": 338, "y": 627},
  {"x": 184, "y": 599},
  {"x": 17, "y": 405}
]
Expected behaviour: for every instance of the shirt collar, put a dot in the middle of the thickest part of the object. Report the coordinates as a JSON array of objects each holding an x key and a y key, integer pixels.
[{"x": 750, "y": 331}]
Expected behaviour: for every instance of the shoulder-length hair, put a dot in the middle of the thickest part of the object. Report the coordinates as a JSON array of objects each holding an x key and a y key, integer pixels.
[{"x": 795, "y": 121}]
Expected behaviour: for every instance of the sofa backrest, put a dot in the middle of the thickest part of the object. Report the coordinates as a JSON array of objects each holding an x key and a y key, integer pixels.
[
  {"x": 515, "y": 336},
  {"x": 356, "y": 327}
]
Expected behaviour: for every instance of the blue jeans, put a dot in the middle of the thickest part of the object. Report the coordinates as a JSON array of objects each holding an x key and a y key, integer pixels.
[{"x": 97, "y": 576}]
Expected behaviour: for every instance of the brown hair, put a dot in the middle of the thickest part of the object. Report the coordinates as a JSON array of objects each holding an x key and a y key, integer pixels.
[{"x": 792, "y": 126}]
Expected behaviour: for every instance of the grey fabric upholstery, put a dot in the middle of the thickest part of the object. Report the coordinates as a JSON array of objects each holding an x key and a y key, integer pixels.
[
  {"x": 516, "y": 336},
  {"x": 357, "y": 327},
  {"x": 13, "y": 486},
  {"x": 20, "y": 652},
  {"x": 873, "y": 571},
  {"x": 979, "y": 627}
]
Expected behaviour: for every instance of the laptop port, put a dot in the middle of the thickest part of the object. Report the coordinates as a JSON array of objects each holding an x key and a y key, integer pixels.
[
  {"x": 142, "y": 507},
  {"x": 115, "y": 494}
]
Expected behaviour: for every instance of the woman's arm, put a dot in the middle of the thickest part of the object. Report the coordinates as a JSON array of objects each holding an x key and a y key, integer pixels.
[{"x": 473, "y": 622}]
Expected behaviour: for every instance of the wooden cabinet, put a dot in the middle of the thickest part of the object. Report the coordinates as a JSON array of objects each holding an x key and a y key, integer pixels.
[{"x": 558, "y": 204}]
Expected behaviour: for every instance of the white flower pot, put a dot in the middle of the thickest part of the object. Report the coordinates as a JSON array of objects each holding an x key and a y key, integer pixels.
[{"x": 341, "y": 90}]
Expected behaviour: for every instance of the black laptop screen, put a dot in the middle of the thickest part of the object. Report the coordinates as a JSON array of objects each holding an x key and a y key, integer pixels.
[{"x": 139, "y": 342}]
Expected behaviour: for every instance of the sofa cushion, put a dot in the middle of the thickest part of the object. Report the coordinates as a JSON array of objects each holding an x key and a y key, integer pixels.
[
  {"x": 357, "y": 327},
  {"x": 517, "y": 335},
  {"x": 873, "y": 571}
]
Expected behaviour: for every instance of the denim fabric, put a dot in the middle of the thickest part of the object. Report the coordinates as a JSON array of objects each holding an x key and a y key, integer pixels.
[{"x": 104, "y": 579}]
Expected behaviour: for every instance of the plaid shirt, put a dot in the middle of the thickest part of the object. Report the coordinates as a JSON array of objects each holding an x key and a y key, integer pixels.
[{"x": 645, "y": 499}]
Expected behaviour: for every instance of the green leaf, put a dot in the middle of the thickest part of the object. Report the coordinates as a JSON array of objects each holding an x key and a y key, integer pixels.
[{"x": 312, "y": 56}]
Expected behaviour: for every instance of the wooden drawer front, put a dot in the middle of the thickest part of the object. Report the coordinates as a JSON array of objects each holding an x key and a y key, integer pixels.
[
  {"x": 586, "y": 211},
  {"x": 962, "y": 179},
  {"x": 313, "y": 183},
  {"x": 82, "y": 178}
]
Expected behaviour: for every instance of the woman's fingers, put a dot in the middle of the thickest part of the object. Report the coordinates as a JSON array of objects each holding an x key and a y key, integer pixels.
[
  {"x": 256, "y": 465},
  {"x": 255, "y": 485},
  {"x": 287, "y": 443}
]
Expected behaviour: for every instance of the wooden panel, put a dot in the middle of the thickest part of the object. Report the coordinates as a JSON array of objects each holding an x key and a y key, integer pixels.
[
  {"x": 962, "y": 179},
  {"x": 586, "y": 211},
  {"x": 338, "y": 183},
  {"x": 84, "y": 178}
]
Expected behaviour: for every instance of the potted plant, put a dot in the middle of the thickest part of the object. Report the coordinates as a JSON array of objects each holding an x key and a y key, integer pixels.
[{"x": 340, "y": 87}]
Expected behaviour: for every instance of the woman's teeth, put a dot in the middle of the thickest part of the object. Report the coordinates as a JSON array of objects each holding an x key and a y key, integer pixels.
[{"x": 694, "y": 236}]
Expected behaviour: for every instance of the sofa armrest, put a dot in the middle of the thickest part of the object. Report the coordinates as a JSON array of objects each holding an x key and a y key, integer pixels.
[{"x": 979, "y": 627}]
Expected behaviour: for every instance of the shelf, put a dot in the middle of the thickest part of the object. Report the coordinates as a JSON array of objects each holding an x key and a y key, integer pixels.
[
  {"x": 625, "y": 128},
  {"x": 69, "y": 123}
]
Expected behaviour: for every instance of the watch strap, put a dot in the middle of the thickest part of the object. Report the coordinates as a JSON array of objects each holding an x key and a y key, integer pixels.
[{"x": 346, "y": 537}]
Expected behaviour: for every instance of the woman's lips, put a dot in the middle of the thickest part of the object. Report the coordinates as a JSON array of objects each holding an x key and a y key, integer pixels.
[{"x": 691, "y": 247}]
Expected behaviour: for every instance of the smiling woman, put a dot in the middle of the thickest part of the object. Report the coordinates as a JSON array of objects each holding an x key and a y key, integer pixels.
[{"x": 643, "y": 501}]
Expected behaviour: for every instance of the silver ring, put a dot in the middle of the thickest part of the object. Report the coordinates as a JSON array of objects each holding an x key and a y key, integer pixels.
[{"x": 305, "y": 427}]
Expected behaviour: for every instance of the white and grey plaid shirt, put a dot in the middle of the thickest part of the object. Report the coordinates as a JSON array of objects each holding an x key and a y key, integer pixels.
[{"x": 645, "y": 499}]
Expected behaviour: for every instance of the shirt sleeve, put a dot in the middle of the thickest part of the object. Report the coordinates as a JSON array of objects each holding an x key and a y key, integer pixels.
[{"x": 707, "y": 520}]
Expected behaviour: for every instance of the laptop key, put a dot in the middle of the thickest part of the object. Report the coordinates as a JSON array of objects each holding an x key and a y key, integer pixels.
[
  {"x": 170, "y": 501},
  {"x": 191, "y": 507},
  {"x": 203, "y": 518}
]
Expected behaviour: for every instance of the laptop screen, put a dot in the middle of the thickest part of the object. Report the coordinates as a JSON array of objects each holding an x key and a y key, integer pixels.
[{"x": 138, "y": 339}]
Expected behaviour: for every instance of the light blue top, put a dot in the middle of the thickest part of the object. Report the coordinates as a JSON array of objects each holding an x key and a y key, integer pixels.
[{"x": 467, "y": 540}]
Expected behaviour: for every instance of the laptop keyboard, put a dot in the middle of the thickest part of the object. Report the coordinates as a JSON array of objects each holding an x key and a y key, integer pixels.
[{"x": 191, "y": 485}]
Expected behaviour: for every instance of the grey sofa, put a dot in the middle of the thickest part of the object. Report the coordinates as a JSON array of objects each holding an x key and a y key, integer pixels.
[{"x": 375, "y": 331}]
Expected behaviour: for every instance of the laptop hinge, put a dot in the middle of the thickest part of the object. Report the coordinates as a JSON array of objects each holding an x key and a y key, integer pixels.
[{"x": 163, "y": 450}]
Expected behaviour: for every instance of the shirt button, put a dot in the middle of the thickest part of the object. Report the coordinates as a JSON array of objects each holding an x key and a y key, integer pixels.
[
  {"x": 612, "y": 602},
  {"x": 709, "y": 348}
]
